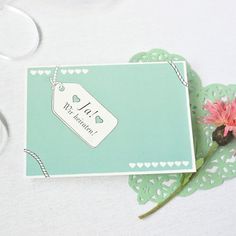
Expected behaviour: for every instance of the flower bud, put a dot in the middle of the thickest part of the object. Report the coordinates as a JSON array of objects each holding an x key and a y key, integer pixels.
[{"x": 218, "y": 136}]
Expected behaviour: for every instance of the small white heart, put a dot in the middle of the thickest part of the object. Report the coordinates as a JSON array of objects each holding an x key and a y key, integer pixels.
[
  {"x": 78, "y": 71},
  {"x": 140, "y": 164},
  {"x": 147, "y": 164},
  {"x": 163, "y": 164},
  {"x": 177, "y": 163},
  {"x": 170, "y": 163},
  {"x": 47, "y": 72},
  {"x": 185, "y": 163},
  {"x": 63, "y": 71},
  {"x": 154, "y": 164},
  {"x": 33, "y": 72},
  {"x": 85, "y": 71},
  {"x": 71, "y": 71},
  {"x": 132, "y": 165},
  {"x": 40, "y": 72}
]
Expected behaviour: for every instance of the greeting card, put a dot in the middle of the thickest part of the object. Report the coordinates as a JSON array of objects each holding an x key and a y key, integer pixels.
[{"x": 108, "y": 120}]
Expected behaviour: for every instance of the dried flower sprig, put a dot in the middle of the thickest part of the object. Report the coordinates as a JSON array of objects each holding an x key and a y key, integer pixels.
[{"x": 221, "y": 114}]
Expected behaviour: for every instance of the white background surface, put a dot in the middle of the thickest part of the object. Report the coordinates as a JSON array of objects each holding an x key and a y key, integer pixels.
[{"x": 109, "y": 31}]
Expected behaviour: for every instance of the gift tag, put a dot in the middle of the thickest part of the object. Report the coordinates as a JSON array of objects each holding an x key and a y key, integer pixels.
[{"x": 82, "y": 113}]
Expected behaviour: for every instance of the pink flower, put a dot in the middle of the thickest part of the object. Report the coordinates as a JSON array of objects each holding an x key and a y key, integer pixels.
[{"x": 221, "y": 113}]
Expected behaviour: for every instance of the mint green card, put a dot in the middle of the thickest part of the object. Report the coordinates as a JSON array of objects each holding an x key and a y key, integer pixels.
[{"x": 108, "y": 120}]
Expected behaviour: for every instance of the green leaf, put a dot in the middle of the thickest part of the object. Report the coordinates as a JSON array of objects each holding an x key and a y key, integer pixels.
[
  {"x": 199, "y": 162},
  {"x": 186, "y": 178}
]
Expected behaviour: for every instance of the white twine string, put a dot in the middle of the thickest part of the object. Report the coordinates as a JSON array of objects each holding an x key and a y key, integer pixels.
[
  {"x": 54, "y": 82},
  {"x": 53, "y": 79},
  {"x": 181, "y": 79},
  {"x": 39, "y": 161},
  {"x": 36, "y": 29}
]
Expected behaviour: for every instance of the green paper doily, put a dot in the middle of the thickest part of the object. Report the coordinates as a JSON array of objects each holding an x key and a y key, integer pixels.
[{"x": 222, "y": 165}]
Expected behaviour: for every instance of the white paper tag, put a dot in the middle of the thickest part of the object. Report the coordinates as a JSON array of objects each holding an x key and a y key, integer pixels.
[{"x": 82, "y": 113}]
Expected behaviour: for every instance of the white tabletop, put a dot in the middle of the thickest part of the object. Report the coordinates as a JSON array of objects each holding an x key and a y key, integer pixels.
[{"x": 109, "y": 31}]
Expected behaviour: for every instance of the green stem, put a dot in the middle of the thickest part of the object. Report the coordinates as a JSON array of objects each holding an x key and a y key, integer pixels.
[
  {"x": 210, "y": 152},
  {"x": 182, "y": 185},
  {"x": 160, "y": 205}
]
